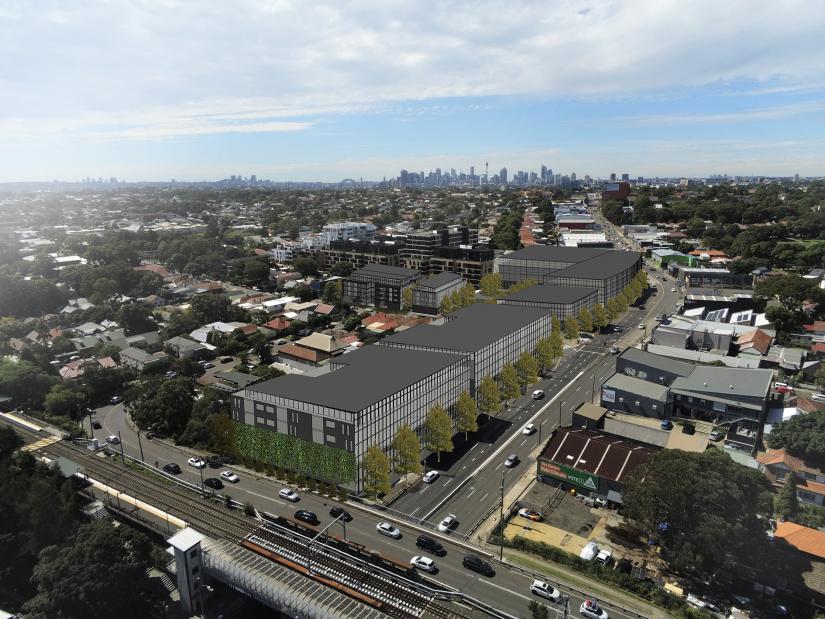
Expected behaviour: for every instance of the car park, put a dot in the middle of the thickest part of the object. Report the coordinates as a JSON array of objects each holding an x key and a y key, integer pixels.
[
  {"x": 289, "y": 494},
  {"x": 530, "y": 514},
  {"x": 592, "y": 610},
  {"x": 529, "y": 429},
  {"x": 112, "y": 439},
  {"x": 511, "y": 461},
  {"x": 230, "y": 477},
  {"x": 172, "y": 468},
  {"x": 428, "y": 543},
  {"x": 542, "y": 589},
  {"x": 448, "y": 523},
  {"x": 213, "y": 482},
  {"x": 423, "y": 563},
  {"x": 430, "y": 476},
  {"x": 385, "y": 528},
  {"x": 196, "y": 462},
  {"x": 337, "y": 512},
  {"x": 307, "y": 516},
  {"x": 477, "y": 564},
  {"x": 538, "y": 394}
]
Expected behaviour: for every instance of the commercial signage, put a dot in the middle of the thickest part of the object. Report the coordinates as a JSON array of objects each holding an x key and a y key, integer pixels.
[
  {"x": 608, "y": 395},
  {"x": 572, "y": 476}
]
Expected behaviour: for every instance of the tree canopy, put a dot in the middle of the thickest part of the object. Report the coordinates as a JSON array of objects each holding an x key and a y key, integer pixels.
[
  {"x": 438, "y": 431},
  {"x": 803, "y": 436}
]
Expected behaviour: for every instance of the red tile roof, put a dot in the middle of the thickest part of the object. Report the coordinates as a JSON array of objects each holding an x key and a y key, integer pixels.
[
  {"x": 804, "y": 539},
  {"x": 818, "y": 347},
  {"x": 248, "y": 329},
  {"x": 299, "y": 352},
  {"x": 758, "y": 340},
  {"x": 154, "y": 268},
  {"x": 277, "y": 324},
  {"x": 781, "y": 456}
]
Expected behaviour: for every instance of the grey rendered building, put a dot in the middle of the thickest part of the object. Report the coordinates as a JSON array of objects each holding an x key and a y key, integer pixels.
[
  {"x": 559, "y": 301},
  {"x": 606, "y": 270},
  {"x": 428, "y": 294},
  {"x": 362, "y": 401},
  {"x": 490, "y": 335},
  {"x": 379, "y": 285}
]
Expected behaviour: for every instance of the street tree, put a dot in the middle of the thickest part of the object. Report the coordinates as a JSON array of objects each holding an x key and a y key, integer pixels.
[
  {"x": 376, "y": 472},
  {"x": 468, "y": 295},
  {"x": 510, "y": 387},
  {"x": 819, "y": 376},
  {"x": 571, "y": 328},
  {"x": 544, "y": 354},
  {"x": 586, "y": 320},
  {"x": 406, "y": 298},
  {"x": 305, "y": 266},
  {"x": 342, "y": 269},
  {"x": 675, "y": 499},
  {"x": 786, "y": 503},
  {"x": 527, "y": 369},
  {"x": 538, "y": 610},
  {"x": 466, "y": 414},
  {"x": 489, "y": 396},
  {"x": 557, "y": 342},
  {"x": 407, "y": 450},
  {"x": 613, "y": 309},
  {"x": 438, "y": 431},
  {"x": 600, "y": 320},
  {"x": 490, "y": 285},
  {"x": 332, "y": 292},
  {"x": 622, "y": 303},
  {"x": 447, "y": 304},
  {"x": 64, "y": 400}
]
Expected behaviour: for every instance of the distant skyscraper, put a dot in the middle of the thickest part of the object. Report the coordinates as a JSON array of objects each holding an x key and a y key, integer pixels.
[
  {"x": 544, "y": 174},
  {"x": 502, "y": 176},
  {"x": 612, "y": 176},
  {"x": 254, "y": 178},
  {"x": 472, "y": 170},
  {"x": 625, "y": 177},
  {"x": 573, "y": 176}
]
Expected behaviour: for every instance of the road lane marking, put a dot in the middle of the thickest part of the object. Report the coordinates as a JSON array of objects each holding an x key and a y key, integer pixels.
[
  {"x": 468, "y": 495},
  {"x": 481, "y": 500},
  {"x": 424, "y": 489},
  {"x": 263, "y": 496},
  {"x": 412, "y": 513},
  {"x": 488, "y": 583}
]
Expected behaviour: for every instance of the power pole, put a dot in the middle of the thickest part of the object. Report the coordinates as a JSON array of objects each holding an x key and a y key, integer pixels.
[
  {"x": 140, "y": 445},
  {"x": 501, "y": 520},
  {"x": 120, "y": 440}
]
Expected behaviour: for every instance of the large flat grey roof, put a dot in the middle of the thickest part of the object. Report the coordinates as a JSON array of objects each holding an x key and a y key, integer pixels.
[
  {"x": 546, "y": 293},
  {"x": 441, "y": 279},
  {"x": 732, "y": 381},
  {"x": 471, "y": 329},
  {"x": 609, "y": 262},
  {"x": 552, "y": 253},
  {"x": 680, "y": 368},
  {"x": 638, "y": 386},
  {"x": 384, "y": 270},
  {"x": 371, "y": 374}
]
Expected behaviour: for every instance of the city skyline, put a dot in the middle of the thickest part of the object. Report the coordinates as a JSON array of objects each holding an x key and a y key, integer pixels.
[{"x": 334, "y": 91}]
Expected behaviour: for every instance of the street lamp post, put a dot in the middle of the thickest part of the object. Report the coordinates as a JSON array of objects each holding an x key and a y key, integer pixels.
[
  {"x": 203, "y": 492},
  {"x": 120, "y": 440},
  {"x": 501, "y": 520},
  {"x": 140, "y": 445}
]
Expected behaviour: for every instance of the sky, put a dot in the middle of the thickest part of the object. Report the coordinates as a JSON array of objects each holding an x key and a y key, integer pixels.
[{"x": 153, "y": 90}]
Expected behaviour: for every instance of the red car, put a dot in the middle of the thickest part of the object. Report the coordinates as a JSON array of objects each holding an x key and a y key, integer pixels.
[{"x": 784, "y": 389}]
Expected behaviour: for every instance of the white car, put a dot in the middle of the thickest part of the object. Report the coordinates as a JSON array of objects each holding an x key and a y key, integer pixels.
[
  {"x": 592, "y": 610},
  {"x": 642, "y": 326},
  {"x": 289, "y": 495},
  {"x": 430, "y": 476},
  {"x": 528, "y": 430},
  {"x": 448, "y": 523},
  {"x": 198, "y": 463},
  {"x": 423, "y": 563},
  {"x": 673, "y": 289},
  {"x": 112, "y": 439},
  {"x": 538, "y": 394},
  {"x": 385, "y": 528},
  {"x": 605, "y": 556},
  {"x": 819, "y": 397},
  {"x": 542, "y": 589},
  {"x": 230, "y": 476}
]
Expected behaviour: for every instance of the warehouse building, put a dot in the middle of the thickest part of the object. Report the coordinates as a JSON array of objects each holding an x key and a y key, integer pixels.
[
  {"x": 428, "y": 294},
  {"x": 490, "y": 335},
  {"x": 606, "y": 270},
  {"x": 559, "y": 301},
  {"x": 362, "y": 401},
  {"x": 379, "y": 285}
]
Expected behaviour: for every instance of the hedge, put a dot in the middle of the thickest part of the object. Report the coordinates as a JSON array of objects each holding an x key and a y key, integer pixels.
[{"x": 281, "y": 450}]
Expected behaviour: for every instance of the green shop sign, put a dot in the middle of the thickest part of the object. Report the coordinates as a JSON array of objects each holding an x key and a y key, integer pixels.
[{"x": 565, "y": 473}]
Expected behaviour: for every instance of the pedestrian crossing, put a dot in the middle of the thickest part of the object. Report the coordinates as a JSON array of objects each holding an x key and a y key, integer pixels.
[{"x": 44, "y": 442}]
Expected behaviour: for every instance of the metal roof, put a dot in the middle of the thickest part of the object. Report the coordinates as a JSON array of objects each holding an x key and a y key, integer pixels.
[
  {"x": 636, "y": 355},
  {"x": 437, "y": 281},
  {"x": 471, "y": 328},
  {"x": 382, "y": 270},
  {"x": 731, "y": 381},
  {"x": 546, "y": 293},
  {"x": 637, "y": 386},
  {"x": 368, "y": 376}
]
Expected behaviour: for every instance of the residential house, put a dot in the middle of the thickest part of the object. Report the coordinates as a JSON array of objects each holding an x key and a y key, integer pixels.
[
  {"x": 185, "y": 348},
  {"x": 776, "y": 464},
  {"x": 139, "y": 359}
]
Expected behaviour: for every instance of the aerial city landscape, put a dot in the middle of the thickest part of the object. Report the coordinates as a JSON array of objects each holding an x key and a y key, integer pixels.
[{"x": 336, "y": 311}]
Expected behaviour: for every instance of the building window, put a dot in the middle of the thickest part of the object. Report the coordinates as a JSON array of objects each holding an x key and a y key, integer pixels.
[
  {"x": 193, "y": 553},
  {"x": 804, "y": 495},
  {"x": 809, "y": 475}
]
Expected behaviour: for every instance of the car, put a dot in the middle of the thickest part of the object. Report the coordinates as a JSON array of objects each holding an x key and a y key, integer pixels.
[
  {"x": 112, "y": 439},
  {"x": 666, "y": 424},
  {"x": 673, "y": 289},
  {"x": 281, "y": 342},
  {"x": 230, "y": 476},
  {"x": 307, "y": 516},
  {"x": 423, "y": 563},
  {"x": 477, "y": 564},
  {"x": 585, "y": 336},
  {"x": 511, "y": 461},
  {"x": 448, "y": 523},
  {"x": 208, "y": 365},
  {"x": 150, "y": 435},
  {"x": 641, "y": 306},
  {"x": 528, "y": 430},
  {"x": 428, "y": 543},
  {"x": 213, "y": 482},
  {"x": 337, "y": 512},
  {"x": 618, "y": 329},
  {"x": 605, "y": 556},
  {"x": 542, "y": 589},
  {"x": 171, "y": 374},
  {"x": 96, "y": 425},
  {"x": 289, "y": 494},
  {"x": 783, "y": 389},
  {"x": 172, "y": 468},
  {"x": 592, "y": 610},
  {"x": 538, "y": 394},
  {"x": 198, "y": 463},
  {"x": 227, "y": 359},
  {"x": 818, "y": 397},
  {"x": 385, "y": 528},
  {"x": 530, "y": 514},
  {"x": 715, "y": 436},
  {"x": 614, "y": 350},
  {"x": 430, "y": 476},
  {"x": 642, "y": 326},
  {"x": 116, "y": 399}
]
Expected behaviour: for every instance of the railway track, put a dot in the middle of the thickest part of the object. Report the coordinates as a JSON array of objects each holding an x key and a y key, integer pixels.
[{"x": 396, "y": 598}]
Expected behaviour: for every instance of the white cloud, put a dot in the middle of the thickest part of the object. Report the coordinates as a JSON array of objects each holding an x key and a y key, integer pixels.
[{"x": 152, "y": 69}]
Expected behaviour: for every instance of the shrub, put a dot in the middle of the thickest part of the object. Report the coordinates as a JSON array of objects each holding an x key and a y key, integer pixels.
[
  {"x": 269, "y": 470},
  {"x": 227, "y": 500},
  {"x": 248, "y": 509}
]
